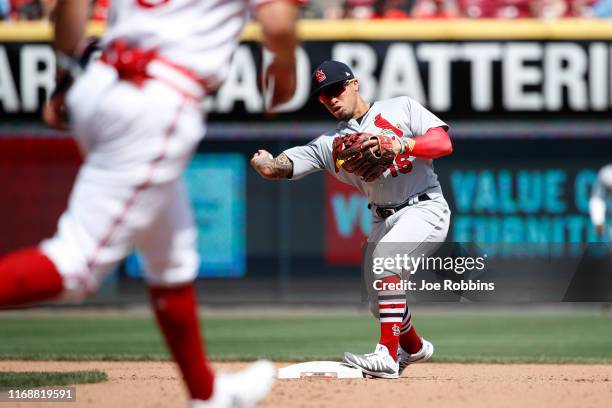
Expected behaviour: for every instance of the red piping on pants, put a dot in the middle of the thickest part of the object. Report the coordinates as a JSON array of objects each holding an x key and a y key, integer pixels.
[{"x": 136, "y": 191}]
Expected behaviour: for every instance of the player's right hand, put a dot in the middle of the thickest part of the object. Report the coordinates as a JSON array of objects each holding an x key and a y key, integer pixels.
[
  {"x": 261, "y": 162},
  {"x": 600, "y": 230},
  {"x": 260, "y": 157},
  {"x": 261, "y": 153}
]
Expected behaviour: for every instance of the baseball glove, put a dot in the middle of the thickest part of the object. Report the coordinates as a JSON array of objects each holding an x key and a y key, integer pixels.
[{"x": 364, "y": 154}]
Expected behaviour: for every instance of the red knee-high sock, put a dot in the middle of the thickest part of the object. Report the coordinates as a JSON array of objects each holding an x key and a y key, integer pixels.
[
  {"x": 391, "y": 304},
  {"x": 409, "y": 339},
  {"x": 175, "y": 309},
  {"x": 28, "y": 276}
]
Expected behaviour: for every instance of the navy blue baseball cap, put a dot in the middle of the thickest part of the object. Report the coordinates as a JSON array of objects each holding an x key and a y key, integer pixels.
[{"x": 329, "y": 73}]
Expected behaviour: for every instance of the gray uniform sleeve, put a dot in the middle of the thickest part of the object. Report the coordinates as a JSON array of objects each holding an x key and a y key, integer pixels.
[
  {"x": 310, "y": 158},
  {"x": 420, "y": 119}
]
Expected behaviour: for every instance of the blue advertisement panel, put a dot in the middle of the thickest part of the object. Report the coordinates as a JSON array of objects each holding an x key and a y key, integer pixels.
[
  {"x": 216, "y": 186},
  {"x": 516, "y": 204},
  {"x": 499, "y": 202}
]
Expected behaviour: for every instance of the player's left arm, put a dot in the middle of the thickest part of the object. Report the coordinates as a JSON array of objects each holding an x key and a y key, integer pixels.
[
  {"x": 70, "y": 25},
  {"x": 431, "y": 140},
  {"x": 433, "y": 144}
]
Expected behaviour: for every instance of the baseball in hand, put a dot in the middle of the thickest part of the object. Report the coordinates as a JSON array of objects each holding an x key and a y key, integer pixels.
[
  {"x": 261, "y": 154},
  {"x": 259, "y": 157}
]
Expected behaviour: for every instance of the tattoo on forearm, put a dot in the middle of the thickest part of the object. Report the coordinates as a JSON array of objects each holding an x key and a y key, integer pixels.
[{"x": 279, "y": 168}]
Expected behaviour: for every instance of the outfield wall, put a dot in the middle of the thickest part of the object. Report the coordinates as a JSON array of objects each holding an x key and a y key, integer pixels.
[{"x": 301, "y": 241}]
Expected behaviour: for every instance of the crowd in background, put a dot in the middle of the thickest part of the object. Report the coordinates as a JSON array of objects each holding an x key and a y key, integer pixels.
[
  {"x": 15, "y": 10},
  {"x": 375, "y": 9},
  {"x": 445, "y": 9}
]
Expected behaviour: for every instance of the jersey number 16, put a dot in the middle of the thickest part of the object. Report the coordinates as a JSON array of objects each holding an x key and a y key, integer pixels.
[{"x": 401, "y": 165}]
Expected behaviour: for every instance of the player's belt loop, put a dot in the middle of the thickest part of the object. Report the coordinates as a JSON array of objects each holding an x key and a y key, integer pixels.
[{"x": 385, "y": 212}]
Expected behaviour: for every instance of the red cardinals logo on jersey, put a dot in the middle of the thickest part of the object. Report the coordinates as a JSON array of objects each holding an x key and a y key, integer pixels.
[
  {"x": 320, "y": 75},
  {"x": 383, "y": 123}
]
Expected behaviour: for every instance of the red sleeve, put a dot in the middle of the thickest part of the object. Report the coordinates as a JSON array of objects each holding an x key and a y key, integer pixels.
[{"x": 432, "y": 144}]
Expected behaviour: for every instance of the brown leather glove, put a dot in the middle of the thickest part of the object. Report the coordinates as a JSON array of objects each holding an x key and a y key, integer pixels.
[{"x": 366, "y": 155}]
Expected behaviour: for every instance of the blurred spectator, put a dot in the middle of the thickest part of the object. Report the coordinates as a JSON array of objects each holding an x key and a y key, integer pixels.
[
  {"x": 580, "y": 8},
  {"x": 603, "y": 9},
  {"x": 326, "y": 9},
  {"x": 478, "y": 8},
  {"x": 435, "y": 9},
  {"x": 27, "y": 10},
  {"x": 552, "y": 9},
  {"x": 391, "y": 9},
  {"x": 5, "y": 9},
  {"x": 359, "y": 9},
  {"x": 548, "y": 9},
  {"x": 509, "y": 9},
  {"x": 505, "y": 9},
  {"x": 99, "y": 10}
]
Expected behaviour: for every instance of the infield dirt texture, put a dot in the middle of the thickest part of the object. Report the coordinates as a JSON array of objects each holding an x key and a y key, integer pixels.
[
  {"x": 156, "y": 384},
  {"x": 486, "y": 360}
]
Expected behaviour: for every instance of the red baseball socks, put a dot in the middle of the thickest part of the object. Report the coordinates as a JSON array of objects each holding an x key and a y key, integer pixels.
[
  {"x": 391, "y": 306},
  {"x": 176, "y": 312},
  {"x": 28, "y": 276}
]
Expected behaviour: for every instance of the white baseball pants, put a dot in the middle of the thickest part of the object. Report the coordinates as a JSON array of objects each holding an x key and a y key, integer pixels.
[
  {"x": 128, "y": 194},
  {"x": 417, "y": 230}
]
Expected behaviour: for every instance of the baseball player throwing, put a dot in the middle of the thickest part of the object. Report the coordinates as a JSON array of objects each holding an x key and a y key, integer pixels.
[
  {"x": 601, "y": 194},
  {"x": 136, "y": 114},
  {"x": 385, "y": 150}
]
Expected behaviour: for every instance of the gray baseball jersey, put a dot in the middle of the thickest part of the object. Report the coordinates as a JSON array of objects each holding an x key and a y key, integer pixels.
[{"x": 407, "y": 177}]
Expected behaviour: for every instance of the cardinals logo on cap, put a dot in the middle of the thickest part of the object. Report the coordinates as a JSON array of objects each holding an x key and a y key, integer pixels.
[{"x": 320, "y": 75}]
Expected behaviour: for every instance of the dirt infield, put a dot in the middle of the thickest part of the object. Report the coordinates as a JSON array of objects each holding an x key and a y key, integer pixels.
[{"x": 156, "y": 384}]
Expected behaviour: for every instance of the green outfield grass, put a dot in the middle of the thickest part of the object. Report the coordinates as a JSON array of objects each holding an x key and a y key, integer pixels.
[{"x": 583, "y": 338}]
